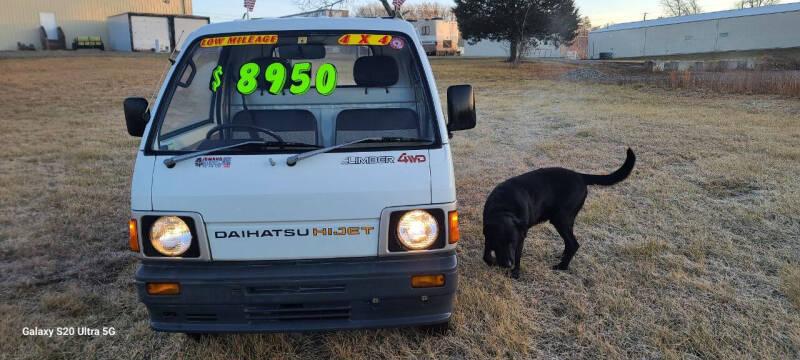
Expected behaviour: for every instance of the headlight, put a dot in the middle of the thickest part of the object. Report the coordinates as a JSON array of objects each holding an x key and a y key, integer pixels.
[
  {"x": 417, "y": 230},
  {"x": 170, "y": 236}
]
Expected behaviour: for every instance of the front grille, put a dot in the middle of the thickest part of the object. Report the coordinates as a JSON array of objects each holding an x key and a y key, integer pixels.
[
  {"x": 298, "y": 312},
  {"x": 295, "y": 289}
]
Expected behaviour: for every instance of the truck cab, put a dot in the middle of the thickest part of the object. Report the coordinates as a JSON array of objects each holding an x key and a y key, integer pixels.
[{"x": 296, "y": 174}]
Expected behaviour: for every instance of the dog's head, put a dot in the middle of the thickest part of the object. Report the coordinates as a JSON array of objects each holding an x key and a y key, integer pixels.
[{"x": 501, "y": 236}]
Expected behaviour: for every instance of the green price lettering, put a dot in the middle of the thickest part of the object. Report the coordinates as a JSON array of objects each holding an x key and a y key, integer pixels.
[
  {"x": 326, "y": 79},
  {"x": 247, "y": 78},
  {"x": 276, "y": 77},
  {"x": 301, "y": 80},
  {"x": 215, "y": 78}
]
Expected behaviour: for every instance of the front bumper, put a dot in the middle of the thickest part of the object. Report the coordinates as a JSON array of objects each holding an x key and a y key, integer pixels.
[{"x": 298, "y": 295}]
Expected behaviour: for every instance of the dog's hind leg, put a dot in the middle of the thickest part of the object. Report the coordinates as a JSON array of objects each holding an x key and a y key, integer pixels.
[{"x": 564, "y": 228}]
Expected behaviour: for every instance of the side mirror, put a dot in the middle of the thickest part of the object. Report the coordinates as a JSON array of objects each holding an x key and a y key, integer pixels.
[
  {"x": 460, "y": 108},
  {"x": 136, "y": 115}
]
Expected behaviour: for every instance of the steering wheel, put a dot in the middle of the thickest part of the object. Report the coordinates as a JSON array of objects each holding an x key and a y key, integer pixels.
[{"x": 243, "y": 126}]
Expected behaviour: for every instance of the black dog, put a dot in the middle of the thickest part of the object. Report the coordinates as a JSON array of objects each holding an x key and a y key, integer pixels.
[{"x": 519, "y": 203}]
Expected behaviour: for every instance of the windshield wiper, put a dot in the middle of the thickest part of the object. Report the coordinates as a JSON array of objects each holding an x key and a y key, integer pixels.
[
  {"x": 170, "y": 162},
  {"x": 292, "y": 160}
]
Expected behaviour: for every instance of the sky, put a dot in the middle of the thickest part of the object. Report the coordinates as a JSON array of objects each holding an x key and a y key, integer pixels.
[{"x": 601, "y": 12}]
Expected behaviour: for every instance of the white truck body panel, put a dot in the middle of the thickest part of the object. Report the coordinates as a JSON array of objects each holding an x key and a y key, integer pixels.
[
  {"x": 275, "y": 244},
  {"x": 318, "y": 188},
  {"x": 321, "y": 191},
  {"x": 142, "y": 182}
]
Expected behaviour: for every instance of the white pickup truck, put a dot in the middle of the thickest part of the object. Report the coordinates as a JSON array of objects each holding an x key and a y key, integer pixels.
[{"x": 295, "y": 174}]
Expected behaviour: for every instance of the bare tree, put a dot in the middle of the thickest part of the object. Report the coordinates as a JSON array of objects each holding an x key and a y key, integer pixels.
[
  {"x": 742, "y": 4},
  {"x": 428, "y": 10},
  {"x": 310, "y": 5},
  {"x": 369, "y": 10},
  {"x": 692, "y": 7},
  {"x": 680, "y": 7},
  {"x": 672, "y": 7},
  {"x": 415, "y": 11}
]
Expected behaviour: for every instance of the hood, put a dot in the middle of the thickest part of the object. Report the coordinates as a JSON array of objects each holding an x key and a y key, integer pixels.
[{"x": 335, "y": 199}]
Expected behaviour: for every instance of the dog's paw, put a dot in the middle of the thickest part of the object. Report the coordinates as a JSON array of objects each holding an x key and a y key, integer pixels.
[
  {"x": 560, "y": 267},
  {"x": 515, "y": 274}
]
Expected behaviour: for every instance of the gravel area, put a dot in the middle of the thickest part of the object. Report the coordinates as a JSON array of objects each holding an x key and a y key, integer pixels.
[{"x": 585, "y": 74}]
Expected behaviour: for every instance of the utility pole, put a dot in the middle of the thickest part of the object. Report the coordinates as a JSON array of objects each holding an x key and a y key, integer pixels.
[{"x": 645, "y": 17}]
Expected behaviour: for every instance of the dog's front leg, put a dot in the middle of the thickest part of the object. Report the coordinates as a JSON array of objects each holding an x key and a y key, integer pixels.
[{"x": 517, "y": 258}]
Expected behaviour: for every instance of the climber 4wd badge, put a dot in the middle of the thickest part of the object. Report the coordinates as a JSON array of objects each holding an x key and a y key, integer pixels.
[{"x": 372, "y": 160}]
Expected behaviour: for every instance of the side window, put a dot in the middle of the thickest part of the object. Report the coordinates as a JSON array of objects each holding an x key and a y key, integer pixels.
[{"x": 191, "y": 102}]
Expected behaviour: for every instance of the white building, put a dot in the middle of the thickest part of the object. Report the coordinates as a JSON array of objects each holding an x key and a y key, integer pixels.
[
  {"x": 766, "y": 27},
  {"x": 151, "y": 32},
  {"x": 28, "y": 21},
  {"x": 439, "y": 37},
  {"x": 502, "y": 49}
]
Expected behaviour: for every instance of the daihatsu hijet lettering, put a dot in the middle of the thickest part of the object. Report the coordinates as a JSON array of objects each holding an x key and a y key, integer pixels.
[{"x": 295, "y": 174}]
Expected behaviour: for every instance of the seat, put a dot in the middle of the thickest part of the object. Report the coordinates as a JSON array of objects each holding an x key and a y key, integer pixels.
[
  {"x": 355, "y": 124},
  {"x": 375, "y": 71},
  {"x": 291, "y": 125}
]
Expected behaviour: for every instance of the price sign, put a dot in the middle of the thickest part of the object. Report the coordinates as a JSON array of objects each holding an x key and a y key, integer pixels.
[{"x": 275, "y": 76}]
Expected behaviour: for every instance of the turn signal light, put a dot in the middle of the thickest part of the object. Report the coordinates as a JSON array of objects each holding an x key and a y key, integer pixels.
[
  {"x": 455, "y": 234},
  {"x": 133, "y": 240},
  {"x": 427, "y": 281},
  {"x": 163, "y": 289}
]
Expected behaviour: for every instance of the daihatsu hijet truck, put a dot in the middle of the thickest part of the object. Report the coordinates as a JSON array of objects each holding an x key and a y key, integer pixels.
[{"x": 295, "y": 174}]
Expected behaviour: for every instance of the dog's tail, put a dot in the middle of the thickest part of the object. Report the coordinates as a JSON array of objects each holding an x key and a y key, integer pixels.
[{"x": 615, "y": 177}]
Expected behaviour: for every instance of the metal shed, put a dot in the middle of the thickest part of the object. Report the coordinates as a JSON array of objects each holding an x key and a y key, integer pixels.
[
  {"x": 766, "y": 27},
  {"x": 151, "y": 32},
  {"x": 20, "y": 21}
]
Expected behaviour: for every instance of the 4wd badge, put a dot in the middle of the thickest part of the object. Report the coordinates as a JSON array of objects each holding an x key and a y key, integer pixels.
[
  {"x": 372, "y": 160},
  {"x": 405, "y": 158}
]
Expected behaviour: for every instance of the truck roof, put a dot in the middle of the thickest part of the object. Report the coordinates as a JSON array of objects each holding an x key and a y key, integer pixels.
[{"x": 303, "y": 23}]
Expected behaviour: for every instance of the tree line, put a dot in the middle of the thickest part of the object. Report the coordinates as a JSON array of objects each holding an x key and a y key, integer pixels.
[{"x": 522, "y": 24}]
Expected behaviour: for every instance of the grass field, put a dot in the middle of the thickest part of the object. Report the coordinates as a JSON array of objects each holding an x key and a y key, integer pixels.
[{"x": 696, "y": 255}]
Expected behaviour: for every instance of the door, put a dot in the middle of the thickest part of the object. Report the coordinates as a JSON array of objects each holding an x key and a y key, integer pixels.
[
  {"x": 182, "y": 27},
  {"x": 150, "y": 33},
  {"x": 48, "y": 21}
]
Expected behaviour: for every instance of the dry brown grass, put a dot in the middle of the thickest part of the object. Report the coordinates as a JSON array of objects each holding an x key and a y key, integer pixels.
[
  {"x": 695, "y": 256},
  {"x": 784, "y": 83}
]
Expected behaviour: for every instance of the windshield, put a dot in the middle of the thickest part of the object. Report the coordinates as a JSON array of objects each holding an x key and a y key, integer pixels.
[{"x": 305, "y": 89}]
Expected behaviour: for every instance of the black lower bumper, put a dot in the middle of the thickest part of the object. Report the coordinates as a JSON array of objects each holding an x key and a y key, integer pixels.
[{"x": 298, "y": 296}]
